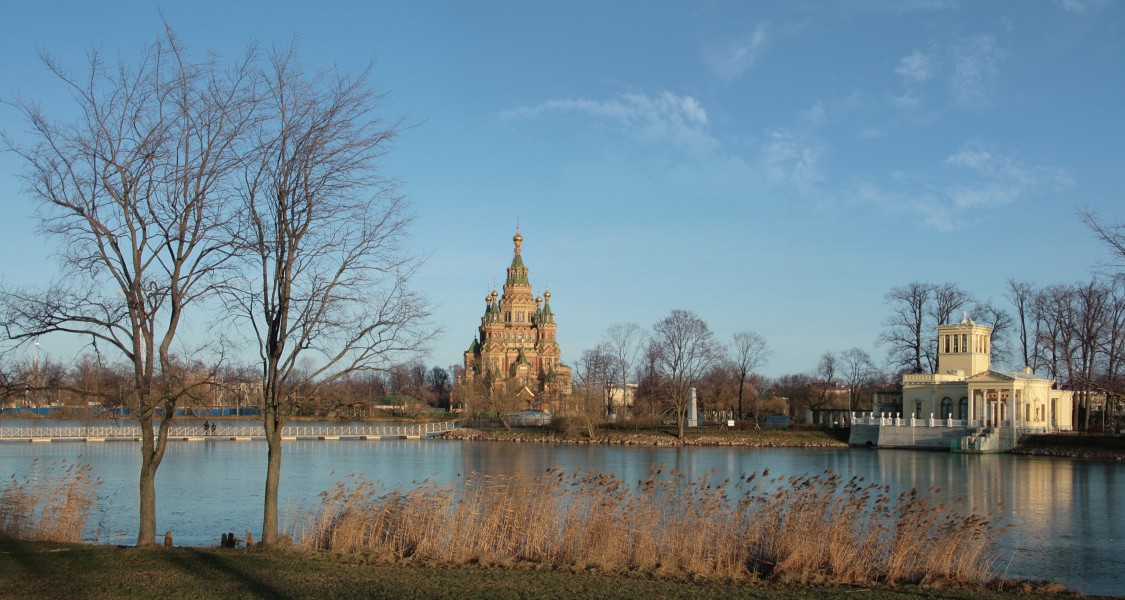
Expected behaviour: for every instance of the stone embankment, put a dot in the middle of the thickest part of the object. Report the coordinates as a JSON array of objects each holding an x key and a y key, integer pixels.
[
  {"x": 617, "y": 438},
  {"x": 1092, "y": 447},
  {"x": 1072, "y": 452}
]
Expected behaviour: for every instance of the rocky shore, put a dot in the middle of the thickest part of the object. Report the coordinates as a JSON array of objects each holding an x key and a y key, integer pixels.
[{"x": 764, "y": 439}]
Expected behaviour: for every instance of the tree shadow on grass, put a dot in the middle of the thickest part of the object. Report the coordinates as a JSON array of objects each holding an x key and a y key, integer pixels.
[
  {"x": 223, "y": 570},
  {"x": 24, "y": 555}
]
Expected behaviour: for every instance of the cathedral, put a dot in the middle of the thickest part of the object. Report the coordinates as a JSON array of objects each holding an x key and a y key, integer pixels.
[{"x": 515, "y": 351}]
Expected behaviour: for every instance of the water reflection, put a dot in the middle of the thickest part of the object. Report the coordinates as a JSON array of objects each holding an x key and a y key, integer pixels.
[{"x": 1065, "y": 516}]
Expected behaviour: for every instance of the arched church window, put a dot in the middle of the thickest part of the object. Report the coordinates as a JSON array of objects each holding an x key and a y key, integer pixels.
[
  {"x": 946, "y": 407},
  {"x": 963, "y": 408}
]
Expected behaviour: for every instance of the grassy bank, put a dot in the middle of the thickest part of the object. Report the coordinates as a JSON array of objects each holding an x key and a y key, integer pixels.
[
  {"x": 711, "y": 436},
  {"x": 52, "y": 570}
]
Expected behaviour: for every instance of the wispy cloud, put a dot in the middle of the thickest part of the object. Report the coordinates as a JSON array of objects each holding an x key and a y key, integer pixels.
[
  {"x": 917, "y": 66},
  {"x": 976, "y": 66},
  {"x": 793, "y": 158},
  {"x": 987, "y": 178},
  {"x": 967, "y": 185},
  {"x": 662, "y": 118},
  {"x": 730, "y": 60},
  {"x": 1080, "y": 7},
  {"x": 970, "y": 69}
]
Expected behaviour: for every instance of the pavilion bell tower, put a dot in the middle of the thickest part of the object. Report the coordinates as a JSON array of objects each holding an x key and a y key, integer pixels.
[{"x": 964, "y": 347}]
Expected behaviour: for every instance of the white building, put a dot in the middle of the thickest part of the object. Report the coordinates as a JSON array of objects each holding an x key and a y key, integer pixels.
[
  {"x": 966, "y": 405},
  {"x": 966, "y": 388}
]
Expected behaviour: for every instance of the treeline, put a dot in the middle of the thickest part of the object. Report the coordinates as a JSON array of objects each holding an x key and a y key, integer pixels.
[
  {"x": 91, "y": 384},
  {"x": 640, "y": 375}
]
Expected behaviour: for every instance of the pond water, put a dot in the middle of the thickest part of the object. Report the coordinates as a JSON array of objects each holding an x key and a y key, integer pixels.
[{"x": 1067, "y": 517}]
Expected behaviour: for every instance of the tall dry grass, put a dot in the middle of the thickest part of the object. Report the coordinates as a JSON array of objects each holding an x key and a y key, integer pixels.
[
  {"x": 812, "y": 528},
  {"x": 52, "y": 503}
]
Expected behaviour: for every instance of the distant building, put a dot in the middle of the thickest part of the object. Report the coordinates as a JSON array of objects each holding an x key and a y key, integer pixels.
[
  {"x": 515, "y": 346},
  {"x": 966, "y": 406},
  {"x": 966, "y": 388}
]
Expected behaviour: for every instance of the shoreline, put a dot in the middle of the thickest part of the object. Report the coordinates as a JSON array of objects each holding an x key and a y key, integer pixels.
[
  {"x": 1074, "y": 447},
  {"x": 759, "y": 439}
]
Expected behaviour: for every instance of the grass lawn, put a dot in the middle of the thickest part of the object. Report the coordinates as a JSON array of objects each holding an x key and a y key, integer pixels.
[{"x": 51, "y": 570}]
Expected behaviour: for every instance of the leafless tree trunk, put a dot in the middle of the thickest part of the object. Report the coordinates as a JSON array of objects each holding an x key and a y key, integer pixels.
[
  {"x": 858, "y": 371},
  {"x": 826, "y": 377},
  {"x": 948, "y": 299},
  {"x": 1051, "y": 310},
  {"x": 684, "y": 350},
  {"x": 322, "y": 237},
  {"x": 1089, "y": 322},
  {"x": 748, "y": 352},
  {"x": 624, "y": 342},
  {"x": 1022, "y": 295},
  {"x": 593, "y": 372},
  {"x": 1001, "y": 323},
  {"x": 136, "y": 191}
]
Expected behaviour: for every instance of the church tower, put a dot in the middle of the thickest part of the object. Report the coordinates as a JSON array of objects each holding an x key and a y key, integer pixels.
[{"x": 516, "y": 346}]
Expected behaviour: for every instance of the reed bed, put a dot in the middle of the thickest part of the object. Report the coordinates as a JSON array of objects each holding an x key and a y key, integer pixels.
[
  {"x": 808, "y": 529},
  {"x": 51, "y": 503}
]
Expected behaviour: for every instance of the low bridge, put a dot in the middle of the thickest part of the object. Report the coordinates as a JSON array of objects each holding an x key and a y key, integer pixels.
[{"x": 197, "y": 433}]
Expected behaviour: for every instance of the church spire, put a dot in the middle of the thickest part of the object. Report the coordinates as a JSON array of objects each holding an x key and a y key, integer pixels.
[{"x": 517, "y": 273}]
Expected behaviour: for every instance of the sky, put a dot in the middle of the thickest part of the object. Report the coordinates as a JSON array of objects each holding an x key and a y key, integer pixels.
[{"x": 774, "y": 167}]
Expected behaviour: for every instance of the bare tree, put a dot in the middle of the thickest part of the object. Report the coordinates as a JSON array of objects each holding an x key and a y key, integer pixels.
[
  {"x": 593, "y": 372},
  {"x": 1052, "y": 309},
  {"x": 858, "y": 371},
  {"x": 1111, "y": 234},
  {"x": 947, "y": 300},
  {"x": 438, "y": 381},
  {"x": 1022, "y": 294},
  {"x": 684, "y": 349},
  {"x": 1002, "y": 323},
  {"x": 906, "y": 335},
  {"x": 748, "y": 352},
  {"x": 322, "y": 232},
  {"x": 799, "y": 391},
  {"x": 624, "y": 341},
  {"x": 136, "y": 190},
  {"x": 1089, "y": 322},
  {"x": 825, "y": 373}
]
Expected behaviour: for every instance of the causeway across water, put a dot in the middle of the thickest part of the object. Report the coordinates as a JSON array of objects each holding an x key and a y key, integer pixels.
[{"x": 238, "y": 433}]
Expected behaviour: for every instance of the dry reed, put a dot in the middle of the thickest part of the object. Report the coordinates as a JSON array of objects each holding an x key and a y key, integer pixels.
[
  {"x": 52, "y": 503},
  {"x": 811, "y": 528}
]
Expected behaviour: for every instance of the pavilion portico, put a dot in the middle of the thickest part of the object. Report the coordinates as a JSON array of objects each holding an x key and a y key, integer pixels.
[{"x": 989, "y": 399}]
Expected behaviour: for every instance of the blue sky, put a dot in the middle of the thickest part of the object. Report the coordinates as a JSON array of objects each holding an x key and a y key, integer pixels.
[{"x": 772, "y": 166}]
